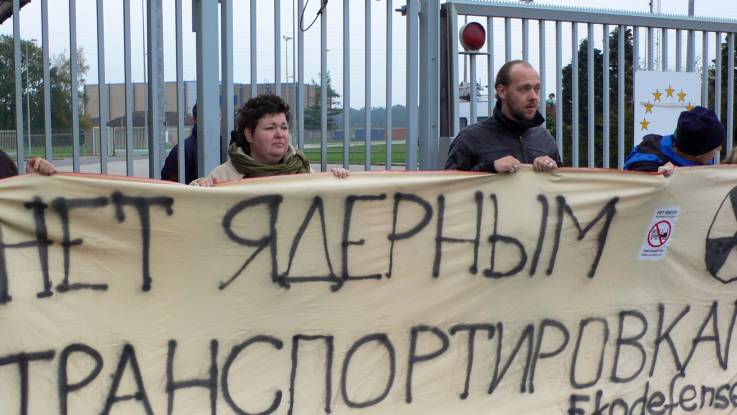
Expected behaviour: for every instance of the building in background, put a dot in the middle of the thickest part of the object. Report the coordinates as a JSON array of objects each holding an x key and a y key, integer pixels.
[{"x": 116, "y": 100}]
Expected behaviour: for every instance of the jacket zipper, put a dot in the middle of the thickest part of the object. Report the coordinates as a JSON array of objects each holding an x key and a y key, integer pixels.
[{"x": 522, "y": 151}]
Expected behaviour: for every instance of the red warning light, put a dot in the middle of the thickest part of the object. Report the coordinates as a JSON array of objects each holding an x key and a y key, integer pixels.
[{"x": 473, "y": 36}]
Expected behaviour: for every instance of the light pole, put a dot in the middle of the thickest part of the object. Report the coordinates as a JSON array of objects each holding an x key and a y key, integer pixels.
[{"x": 28, "y": 92}]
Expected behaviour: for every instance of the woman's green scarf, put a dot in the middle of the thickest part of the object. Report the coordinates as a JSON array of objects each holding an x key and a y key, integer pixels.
[{"x": 294, "y": 162}]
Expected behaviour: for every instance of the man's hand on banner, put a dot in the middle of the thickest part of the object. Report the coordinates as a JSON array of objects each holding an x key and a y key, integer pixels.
[
  {"x": 506, "y": 164},
  {"x": 544, "y": 163}
]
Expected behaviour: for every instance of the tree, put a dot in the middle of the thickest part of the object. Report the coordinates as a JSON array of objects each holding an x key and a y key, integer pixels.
[
  {"x": 32, "y": 83},
  {"x": 583, "y": 88},
  {"x": 314, "y": 111}
]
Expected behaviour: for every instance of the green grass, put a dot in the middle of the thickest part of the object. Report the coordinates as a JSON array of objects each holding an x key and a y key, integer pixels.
[
  {"x": 59, "y": 152},
  {"x": 356, "y": 154}
]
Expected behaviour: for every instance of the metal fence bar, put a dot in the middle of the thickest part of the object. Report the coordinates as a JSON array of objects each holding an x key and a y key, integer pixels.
[
  {"x": 591, "y": 89},
  {"x": 453, "y": 88},
  {"x": 17, "y": 56},
  {"x": 620, "y": 97},
  {"x": 507, "y": 39},
  {"x": 181, "y": 167},
  {"x": 412, "y": 77},
  {"x": 605, "y": 93},
  {"x": 254, "y": 46},
  {"x": 300, "y": 79},
  {"x": 429, "y": 79},
  {"x": 636, "y": 47},
  {"x": 465, "y": 57},
  {"x": 543, "y": 94},
  {"x": 226, "y": 54},
  {"x": 367, "y": 87},
  {"x": 490, "y": 63},
  {"x": 389, "y": 129},
  {"x": 47, "y": 78},
  {"x": 679, "y": 50},
  {"x": 730, "y": 92},
  {"x": 277, "y": 47},
  {"x": 574, "y": 82},
  {"x": 208, "y": 91},
  {"x": 650, "y": 49},
  {"x": 156, "y": 106},
  {"x": 559, "y": 86},
  {"x": 346, "y": 84},
  {"x": 526, "y": 40},
  {"x": 102, "y": 87},
  {"x": 717, "y": 82},
  {"x": 664, "y": 57},
  {"x": 705, "y": 69},
  {"x": 718, "y": 75},
  {"x": 691, "y": 51},
  {"x": 323, "y": 90},
  {"x": 128, "y": 87},
  {"x": 472, "y": 91},
  {"x": 74, "y": 84},
  {"x": 635, "y": 68}
]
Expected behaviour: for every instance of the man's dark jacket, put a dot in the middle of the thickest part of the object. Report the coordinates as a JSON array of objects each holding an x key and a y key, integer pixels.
[
  {"x": 478, "y": 146},
  {"x": 170, "y": 170}
]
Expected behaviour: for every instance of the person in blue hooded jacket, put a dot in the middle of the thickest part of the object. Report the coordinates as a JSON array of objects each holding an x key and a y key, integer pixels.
[{"x": 698, "y": 138}]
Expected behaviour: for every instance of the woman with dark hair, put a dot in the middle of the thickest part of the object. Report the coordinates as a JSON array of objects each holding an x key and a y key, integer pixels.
[{"x": 259, "y": 146}]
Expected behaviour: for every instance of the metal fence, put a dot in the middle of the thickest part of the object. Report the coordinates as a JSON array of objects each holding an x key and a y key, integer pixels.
[
  {"x": 645, "y": 30},
  {"x": 212, "y": 21},
  {"x": 430, "y": 81},
  {"x": 90, "y": 144}
]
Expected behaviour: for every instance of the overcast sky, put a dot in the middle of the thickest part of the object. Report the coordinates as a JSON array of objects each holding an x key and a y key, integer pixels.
[{"x": 113, "y": 33}]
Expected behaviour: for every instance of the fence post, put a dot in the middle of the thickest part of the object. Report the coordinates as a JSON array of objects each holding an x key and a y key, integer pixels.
[
  {"x": 156, "y": 104},
  {"x": 429, "y": 115},
  {"x": 412, "y": 88},
  {"x": 208, "y": 129}
]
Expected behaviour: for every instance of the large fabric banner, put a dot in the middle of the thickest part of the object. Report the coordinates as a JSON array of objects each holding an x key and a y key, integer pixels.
[{"x": 575, "y": 292}]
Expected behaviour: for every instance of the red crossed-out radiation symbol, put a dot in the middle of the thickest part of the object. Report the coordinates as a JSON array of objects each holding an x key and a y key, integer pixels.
[{"x": 659, "y": 234}]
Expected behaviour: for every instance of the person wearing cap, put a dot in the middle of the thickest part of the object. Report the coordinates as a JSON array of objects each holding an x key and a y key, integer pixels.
[
  {"x": 698, "y": 138},
  {"x": 514, "y": 135}
]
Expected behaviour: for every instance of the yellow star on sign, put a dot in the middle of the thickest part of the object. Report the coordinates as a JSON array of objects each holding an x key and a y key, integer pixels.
[
  {"x": 689, "y": 107},
  {"x": 648, "y": 108},
  {"x": 644, "y": 123},
  {"x": 681, "y": 96},
  {"x": 657, "y": 94},
  {"x": 669, "y": 91}
]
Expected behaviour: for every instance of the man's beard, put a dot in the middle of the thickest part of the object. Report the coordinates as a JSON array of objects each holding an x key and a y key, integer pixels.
[{"x": 521, "y": 117}]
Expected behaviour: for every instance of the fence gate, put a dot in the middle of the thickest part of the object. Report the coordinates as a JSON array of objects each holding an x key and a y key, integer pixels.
[{"x": 629, "y": 42}]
